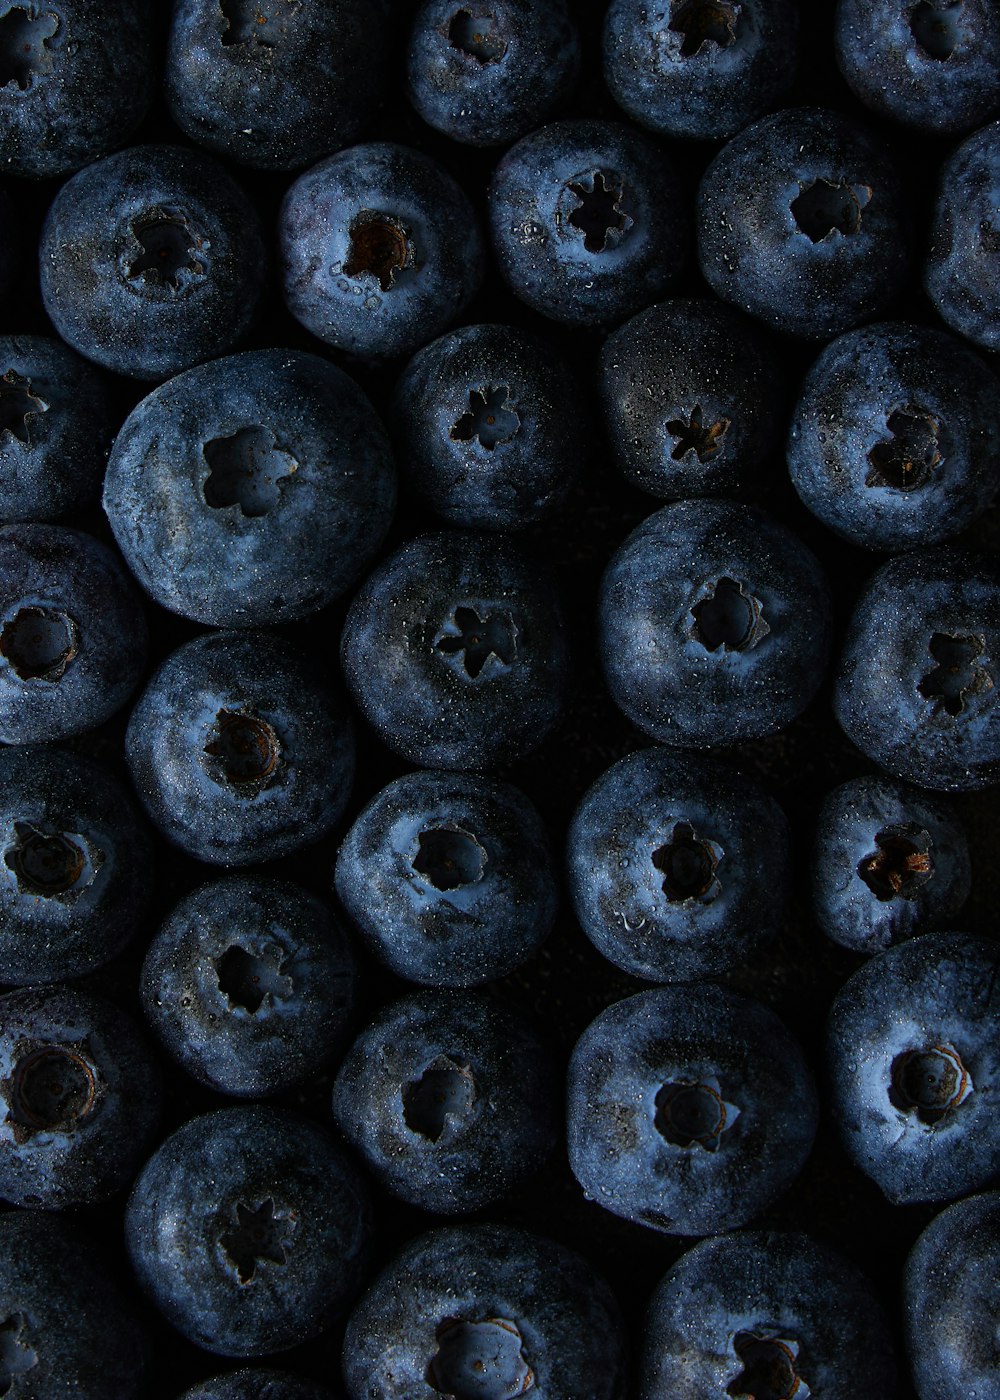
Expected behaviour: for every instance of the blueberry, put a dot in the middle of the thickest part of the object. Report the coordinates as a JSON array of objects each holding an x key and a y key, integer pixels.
[
  {"x": 240, "y": 752},
  {"x": 249, "y": 984},
  {"x": 714, "y": 624},
  {"x": 152, "y": 260},
  {"x": 689, "y": 1109},
  {"x": 962, "y": 271},
  {"x": 252, "y": 490},
  {"x": 257, "y": 1383}
]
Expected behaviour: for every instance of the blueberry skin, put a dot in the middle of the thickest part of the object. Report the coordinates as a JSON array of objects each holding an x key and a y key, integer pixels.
[
  {"x": 693, "y": 399},
  {"x": 258, "y": 1383},
  {"x": 962, "y": 269},
  {"x": 239, "y": 750},
  {"x": 800, "y": 223},
  {"x": 251, "y": 491},
  {"x": 486, "y": 78},
  {"x": 56, "y": 429},
  {"x": 744, "y": 1118},
  {"x": 714, "y": 624},
  {"x": 249, "y": 984},
  {"x": 450, "y": 1098},
  {"x": 75, "y": 865},
  {"x": 491, "y": 425},
  {"x": 80, "y": 1095},
  {"x": 151, "y": 260},
  {"x": 913, "y": 1062},
  {"x": 487, "y": 1311},
  {"x": 588, "y": 221},
  {"x": 73, "y": 634},
  {"x": 455, "y": 651},
  {"x": 888, "y": 862},
  {"x": 78, "y": 77},
  {"x": 380, "y": 250},
  {"x": 931, "y": 66},
  {"x": 762, "y": 1309},
  {"x": 678, "y": 867},
  {"x": 249, "y": 1229},
  {"x": 895, "y": 440},
  {"x": 449, "y": 878},
  {"x": 917, "y": 686},
  {"x": 277, "y": 95},
  {"x": 685, "y": 73}
]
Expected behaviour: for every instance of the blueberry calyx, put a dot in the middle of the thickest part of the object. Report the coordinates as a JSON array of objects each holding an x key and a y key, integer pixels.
[
  {"x": 934, "y": 24},
  {"x": 480, "y": 1360},
  {"x": 261, "y": 1234},
  {"x": 446, "y": 1089},
  {"x": 729, "y": 617},
  {"x": 16, "y": 1356},
  {"x": 490, "y": 419},
  {"x": 900, "y": 864},
  {"x": 956, "y": 675},
  {"x": 694, "y": 1114},
  {"x": 929, "y": 1082},
  {"x": 769, "y": 1368},
  {"x": 39, "y": 643},
  {"x": 474, "y": 37},
  {"x": 381, "y": 247},
  {"x": 247, "y": 751},
  {"x": 24, "y": 48},
  {"x": 244, "y": 23},
  {"x": 597, "y": 210},
  {"x": 247, "y": 469},
  {"x": 51, "y": 864},
  {"x": 167, "y": 253},
  {"x": 701, "y": 438},
  {"x": 704, "y": 22},
  {"x": 908, "y": 457},
  {"x": 52, "y": 1088},
  {"x": 449, "y": 857},
  {"x": 825, "y": 208},
  {"x": 688, "y": 863},
  {"x": 476, "y": 637},
  {"x": 17, "y": 404},
  {"x": 246, "y": 980}
]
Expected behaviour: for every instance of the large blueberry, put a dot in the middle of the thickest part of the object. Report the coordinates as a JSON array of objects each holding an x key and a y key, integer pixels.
[{"x": 962, "y": 270}]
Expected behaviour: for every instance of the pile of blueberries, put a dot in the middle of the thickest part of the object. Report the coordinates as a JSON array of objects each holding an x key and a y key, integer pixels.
[{"x": 499, "y": 699}]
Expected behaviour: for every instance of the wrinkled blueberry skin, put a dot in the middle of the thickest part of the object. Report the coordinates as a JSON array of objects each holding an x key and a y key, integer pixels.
[
  {"x": 557, "y": 1331},
  {"x": 693, "y": 399},
  {"x": 657, "y": 624},
  {"x": 283, "y": 760},
  {"x": 950, "y": 82},
  {"x": 865, "y": 898},
  {"x": 407, "y": 288},
  {"x": 249, "y": 984},
  {"x": 491, "y": 426},
  {"x": 487, "y": 75},
  {"x": 651, "y": 901},
  {"x": 638, "y": 246},
  {"x": 449, "y": 878},
  {"x": 257, "y": 1383},
  {"x": 73, "y": 1333},
  {"x": 931, "y": 993},
  {"x": 104, "y": 292},
  {"x": 678, "y": 83},
  {"x": 73, "y": 634},
  {"x": 75, "y": 865},
  {"x": 504, "y": 1100},
  {"x": 251, "y": 491},
  {"x": 962, "y": 270},
  {"x": 752, "y": 248},
  {"x": 913, "y": 389},
  {"x": 75, "y": 84},
  {"x": 438, "y": 686},
  {"x": 56, "y": 429},
  {"x": 278, "y": 95},
  {"x": 677, "y": 1037},
  {"x": 80, "y": 1096},
  {"x": 249, "y": 1230},
  {"x": 917, "y": 686},
  {"x": 767, "y": 1285}
]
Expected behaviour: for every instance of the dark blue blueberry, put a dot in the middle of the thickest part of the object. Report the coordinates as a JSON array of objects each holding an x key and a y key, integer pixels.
[
  {"x": 449, "y": 878},
  {"x": 918, "y": 685},
  {"x": 491, "y": 427},
  {"x": 75, "y": 865},
  {"x": 714, "y": 624},
  {"x": 678, "y": 866},
  {"x": 485, "y": 1312},
  {"x": 249, "y": 1229},
  {"x": 895, "y": 440},
  {"x": 765, "y": 1316},
  {"x": 380, "y": 250},
  {"x": 450, "y": 1099},
  {"x": 252, "y": 490},
  {"x": 487, "y": 73},
  {"x": 588, "y": 221},
  {"x": 257, "y": 1383},
  {"x": 455, "y": 651},
  {"x": 73, "y": 633},
  {"x": 276, "y": 86},
  {"x": 962, "y": 271},
  {"x": 699, "y": 68},
  {"x": 800, "y": 223},
  {"x": 151, "y": 260},
  {"x": 249, "y": 984},
  {"x": 694, "y": 399},
  {"x": 913, "y": 1057},
  {"x": 889, "y": 861},
  {"x": 240, "y": 751},
  {"x": 79, "y": 1098},
  {"x": 689, "y": 1109}
]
